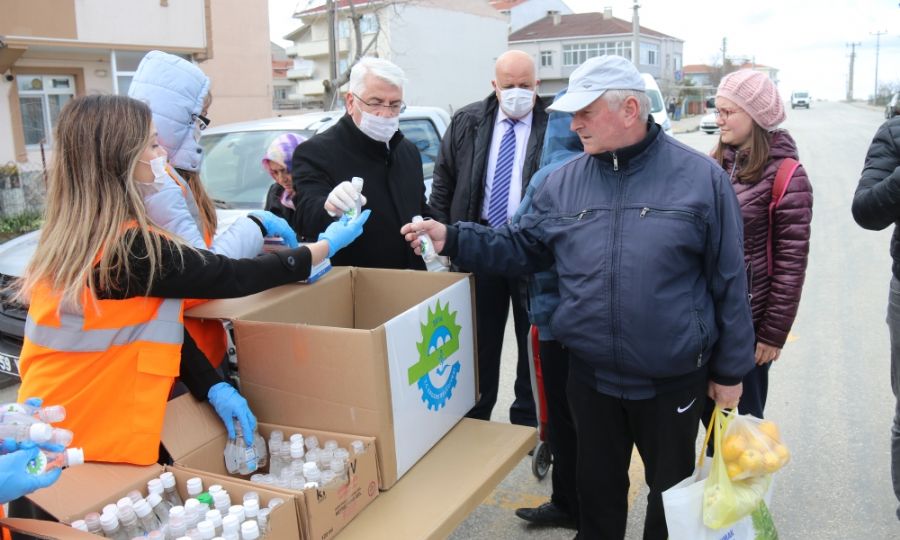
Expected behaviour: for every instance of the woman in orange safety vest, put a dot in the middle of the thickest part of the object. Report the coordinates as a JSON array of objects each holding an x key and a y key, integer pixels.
[{"x": 105, "y": 332}]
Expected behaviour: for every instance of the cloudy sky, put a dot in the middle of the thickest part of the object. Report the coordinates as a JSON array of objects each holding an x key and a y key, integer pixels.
[{"x": 806, "y": 40}]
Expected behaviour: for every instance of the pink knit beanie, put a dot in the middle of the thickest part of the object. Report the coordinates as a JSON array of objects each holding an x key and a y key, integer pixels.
[{"x": 754, "y": 92}]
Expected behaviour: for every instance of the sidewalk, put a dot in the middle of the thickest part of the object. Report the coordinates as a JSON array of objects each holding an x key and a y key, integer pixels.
[{"x": 686, "y": 124}]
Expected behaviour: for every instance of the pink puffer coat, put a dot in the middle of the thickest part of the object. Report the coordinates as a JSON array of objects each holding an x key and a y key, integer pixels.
[{"x": 774, "y": 299}]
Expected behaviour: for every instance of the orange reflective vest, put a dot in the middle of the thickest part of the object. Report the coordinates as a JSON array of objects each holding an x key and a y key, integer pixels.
[
  {"x": 207, "y": 333},
  {"x": 111, "y": 365}
]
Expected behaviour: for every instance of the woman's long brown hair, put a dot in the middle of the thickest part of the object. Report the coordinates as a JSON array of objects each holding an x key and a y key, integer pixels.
[{"x": 752, "y": 163}]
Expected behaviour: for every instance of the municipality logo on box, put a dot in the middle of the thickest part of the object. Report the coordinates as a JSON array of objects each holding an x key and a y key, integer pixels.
[{"x": 434, "y": 373}]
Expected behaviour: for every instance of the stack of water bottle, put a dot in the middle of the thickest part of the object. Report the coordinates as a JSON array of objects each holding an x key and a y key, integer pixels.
[
  {"x": 299, "y": 463},
  {"x": 26, "y": 423},
  {"x": 162, "y": 515}
]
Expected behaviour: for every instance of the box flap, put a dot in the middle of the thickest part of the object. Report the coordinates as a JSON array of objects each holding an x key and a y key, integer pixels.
[
  {"x": 96, "y": 484},
  {"x": 448, "y": 483},
  {"x": 36, "y": 528},
  {"x": 189, "y": 424},
  {"x": 236, "y": 308},
  {"x": 380, "y": 296}
]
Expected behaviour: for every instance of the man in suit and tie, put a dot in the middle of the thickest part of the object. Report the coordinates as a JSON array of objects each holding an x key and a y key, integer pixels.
[{"x": 487, "y": 157}]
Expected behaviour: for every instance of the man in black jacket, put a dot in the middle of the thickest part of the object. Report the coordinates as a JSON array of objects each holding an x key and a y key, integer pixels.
[
  {"x": 876, "y": 206},
  {"x": 366, "y": 143},
  {"x": 487, "y": 157}
]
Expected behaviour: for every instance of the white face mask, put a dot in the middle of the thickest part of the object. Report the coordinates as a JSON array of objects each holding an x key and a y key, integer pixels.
[
  {"x": 158, "y": 166},
  {"x": 379, "y": 128},
  {"x": 516, "y": 102}
]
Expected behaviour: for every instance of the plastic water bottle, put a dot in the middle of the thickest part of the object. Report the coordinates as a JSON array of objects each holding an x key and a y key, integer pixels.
[
  {"x": 159, "y": 506},
  {"x": 206, "y": 530},
  {"x": 80, "y": 525},
  {"x": 37, "y": 432},
  {"x": 432, "y": 260},
  {"x": 230, "y": 526},
  {"x": 249, "y": 530},
  {"x": 194, "y": 487},
  {"x": 237, "y": 451},
  {"x": 358, "y": 447},
  {"x": 237, "y": 510},
  {"x": 340, "y": 472},
  {"x": 110, "y": 525},
  {"x": 222, "y": 501},
  {"x": 49, "y": 415},
  {"x": 215, "y": 517},
  {"x": 251, "y": 509},
  {"x": 146, "y": 517},
  {"x": 171, "y": 494},
  {"x": 261, "y": 450},
  {"x": 46, "y": 460},
  {"x": 275, "y": 440},
  {"x": 177, "y": 526},
  {"x": 128, "y": 521},
  {"x": 357, "y": 184},
  {"x": 92, "y": 521},
  {"x": 311, "y": 442},
  {"x": 263, "y": 519}
]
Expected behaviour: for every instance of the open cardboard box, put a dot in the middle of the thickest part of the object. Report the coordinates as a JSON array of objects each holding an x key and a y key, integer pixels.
[
  {"x": 89, "y": 487},
  {"x": 195, "y": 437},
  {"x": 383, "y": 353}
]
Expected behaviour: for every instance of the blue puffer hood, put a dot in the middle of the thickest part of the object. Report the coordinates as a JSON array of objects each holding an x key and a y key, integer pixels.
[
  {"x": 175, "y": 90},
  {"x": 560, "y": 142}
]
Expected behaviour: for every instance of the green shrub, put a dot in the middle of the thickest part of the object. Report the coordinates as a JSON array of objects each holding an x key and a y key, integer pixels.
[{"x": 21, "y": 223}]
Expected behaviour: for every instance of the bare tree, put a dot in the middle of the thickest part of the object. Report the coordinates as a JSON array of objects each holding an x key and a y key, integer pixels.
[{"x": 333, "y": 84}]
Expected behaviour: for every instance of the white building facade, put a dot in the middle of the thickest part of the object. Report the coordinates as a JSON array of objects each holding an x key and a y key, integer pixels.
[
  {"x": 447, "y": 48},
  {"x": 560, "y": 43}
]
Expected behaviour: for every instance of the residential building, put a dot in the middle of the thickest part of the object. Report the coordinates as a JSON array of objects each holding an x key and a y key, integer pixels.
[
  {"x": 700, "y": 74},
  {"x": 521, "y": 13},
  {"x": 282, "y": 87},
  {"x": 54, "y": 50},
  {"x": 768, "y": 70},
  {"x": 560, "y": 43},
  {"x": 447, "y": 48}
]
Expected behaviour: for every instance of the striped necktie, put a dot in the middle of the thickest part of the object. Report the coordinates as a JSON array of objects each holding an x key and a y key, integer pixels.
[{"x": 497, "y": 208}]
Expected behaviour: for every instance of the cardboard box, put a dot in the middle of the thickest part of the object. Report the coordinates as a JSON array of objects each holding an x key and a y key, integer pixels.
[
  {"x": 195, "y": 437},
  {"x": 384, "y": 353},
  {"x": 89, "y": 487}
]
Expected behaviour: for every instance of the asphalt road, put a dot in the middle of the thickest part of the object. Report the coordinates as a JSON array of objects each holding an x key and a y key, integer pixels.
[{"x": 830, "y": 392}]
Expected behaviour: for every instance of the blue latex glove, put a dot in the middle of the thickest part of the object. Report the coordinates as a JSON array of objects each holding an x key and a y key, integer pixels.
[
  {"x": 34, "y": 401},
  {"x": 276, "y": 226},
  {"x": 344, "y": 231},
  {"x": 229, "y": 404},
  {"x": 15, "y": 481}
]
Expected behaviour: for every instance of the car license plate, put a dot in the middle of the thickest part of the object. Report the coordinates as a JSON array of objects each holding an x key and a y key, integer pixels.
[{"x": 9, "y": 364}]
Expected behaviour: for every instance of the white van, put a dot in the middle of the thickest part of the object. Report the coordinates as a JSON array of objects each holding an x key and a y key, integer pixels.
[{"x": 657, "y": 103}]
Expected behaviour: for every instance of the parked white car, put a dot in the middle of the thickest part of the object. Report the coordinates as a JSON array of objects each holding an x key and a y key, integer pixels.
[
  {"x": 657, "y": 103},
  {"x": 708, "y": 123},
  {"x": 800, "y": 99},
  {"x": 233, "y": 175}
]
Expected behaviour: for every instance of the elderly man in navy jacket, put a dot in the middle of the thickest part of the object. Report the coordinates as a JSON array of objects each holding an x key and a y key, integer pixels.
[{"x": 646, "y": 237}]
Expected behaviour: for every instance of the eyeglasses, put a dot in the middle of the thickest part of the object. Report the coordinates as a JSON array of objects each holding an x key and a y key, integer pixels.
[
  {"x": 204, "y": 121},
  {"x": 396, "y": 107},
  {"x": 725, "y": 114}
]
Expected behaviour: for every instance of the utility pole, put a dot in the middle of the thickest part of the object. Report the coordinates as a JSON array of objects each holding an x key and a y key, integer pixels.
[
  {"x": 852, "y": 60},
  {"x": 330, "y": 94},
  {"x": 877, "y": 48},
  {"x": 636, "y": 37}
]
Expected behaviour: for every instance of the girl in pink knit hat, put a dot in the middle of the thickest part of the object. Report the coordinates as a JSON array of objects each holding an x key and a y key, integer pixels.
[{"x": 752, "y": 149}]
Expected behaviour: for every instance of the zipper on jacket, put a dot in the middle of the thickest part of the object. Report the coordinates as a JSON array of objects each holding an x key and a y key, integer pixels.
[
  {"x": 615, "y": 161},
  {"x": 614, "y": 281},
  {"x": 646, "y": 210}
]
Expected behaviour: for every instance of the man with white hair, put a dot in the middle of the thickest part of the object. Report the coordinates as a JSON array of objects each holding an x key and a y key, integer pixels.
[
  {"x": 366, "y": 142},
  {"x": 646, "y": 235}
]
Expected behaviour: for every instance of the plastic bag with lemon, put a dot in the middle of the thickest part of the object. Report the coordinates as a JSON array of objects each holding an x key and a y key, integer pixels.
[{"x": 746, "y": 453}]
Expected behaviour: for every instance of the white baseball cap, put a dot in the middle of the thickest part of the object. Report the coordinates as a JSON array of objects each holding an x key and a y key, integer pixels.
[{"x": 591, "y": 79}]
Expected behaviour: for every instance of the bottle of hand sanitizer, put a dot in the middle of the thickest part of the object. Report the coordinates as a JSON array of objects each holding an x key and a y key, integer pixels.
[
  {"x": 433, "y": 261},
  {"x": 357, "y": 184}
]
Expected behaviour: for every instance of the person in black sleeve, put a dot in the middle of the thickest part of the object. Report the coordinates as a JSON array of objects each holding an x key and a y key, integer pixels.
[
  {"x": 364, "y": 143},
  {"x": 876, "y": 205}
]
